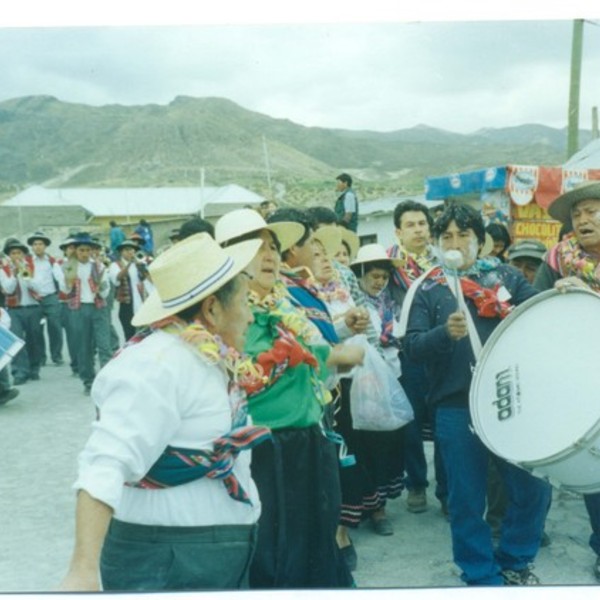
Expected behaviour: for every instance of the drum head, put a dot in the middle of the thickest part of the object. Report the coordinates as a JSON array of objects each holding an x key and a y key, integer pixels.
[{"x": 536, "y": 387}]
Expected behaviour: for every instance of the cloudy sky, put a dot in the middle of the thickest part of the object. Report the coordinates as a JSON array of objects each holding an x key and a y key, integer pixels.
[{"x": 377, "y": 71}]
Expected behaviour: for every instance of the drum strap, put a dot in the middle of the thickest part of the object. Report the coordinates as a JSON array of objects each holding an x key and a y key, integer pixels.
[
  {"x": 400, "y": 330},
  {"x": 473, "y": 335}
]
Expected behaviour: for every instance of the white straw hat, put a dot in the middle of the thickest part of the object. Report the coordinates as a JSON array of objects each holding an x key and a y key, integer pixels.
[
  {"x": 330, "y": 237},
  {"x": 352, "y": 240},
  {"x": 488, "y": 245},
  {"x": 189, "y": 271},
  {"x": 374, "y": 253},
  {"x": 242, "y": 221}
]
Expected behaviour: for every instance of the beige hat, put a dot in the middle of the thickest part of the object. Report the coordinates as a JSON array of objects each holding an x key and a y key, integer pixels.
[
  {"x": 330, "y": 237},
  {"x": 246, "y": 220},
  {"x": 374, "y": 253},
  {"x": 488, "y": 245},
  {"x": 560, "y": 209},
  {"x": 352, "y": 240},
  {"x": 191, "y": 270}
]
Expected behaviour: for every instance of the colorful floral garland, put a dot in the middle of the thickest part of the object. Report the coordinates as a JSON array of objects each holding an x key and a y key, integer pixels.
[
  {"x": 213, "y": 350},
  {"x": 575, "y": 261},
  {"x": 277, "y": 302},
  {"x": 334, "y": 290},
  {"x": 286, "y": 351}
]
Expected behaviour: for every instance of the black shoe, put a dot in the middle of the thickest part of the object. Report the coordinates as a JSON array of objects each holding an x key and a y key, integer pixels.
[
  {"x": 34, "y": 377},
  {"x": 545, "y": 541},
  {"x": 349, "y": 555},
  {"x": 20, "y": 380},
  {"x": 87, "y": 390},
  {"x": 59, "y": 362},
  {"x": 382, "y": 526},
  {"x": 8, "y": 395}
]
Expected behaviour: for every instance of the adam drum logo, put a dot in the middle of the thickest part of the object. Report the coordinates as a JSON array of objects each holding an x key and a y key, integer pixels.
[{"x": 504, "y": 401}]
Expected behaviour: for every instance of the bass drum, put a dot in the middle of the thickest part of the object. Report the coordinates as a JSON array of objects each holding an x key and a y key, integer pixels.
[{"x": 535, "y": 393}]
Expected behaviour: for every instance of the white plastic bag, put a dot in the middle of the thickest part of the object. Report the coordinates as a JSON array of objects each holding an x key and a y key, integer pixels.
[{"x": 377, "y": 400}]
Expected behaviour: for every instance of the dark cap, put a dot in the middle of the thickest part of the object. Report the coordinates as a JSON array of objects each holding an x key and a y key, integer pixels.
[{"x": 527, "y": 249}]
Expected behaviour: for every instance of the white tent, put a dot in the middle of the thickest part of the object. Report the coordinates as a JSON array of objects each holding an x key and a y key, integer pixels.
[
  {"x": 132, "y": 203},
  {"x": 587, "y": 158}
]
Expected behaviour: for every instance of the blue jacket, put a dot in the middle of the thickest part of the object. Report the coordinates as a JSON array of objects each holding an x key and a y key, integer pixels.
[{"x": 448, "y": 362}]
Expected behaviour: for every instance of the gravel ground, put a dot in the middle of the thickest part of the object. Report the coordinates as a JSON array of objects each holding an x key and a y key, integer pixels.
[{"x": 43, "y": 430}]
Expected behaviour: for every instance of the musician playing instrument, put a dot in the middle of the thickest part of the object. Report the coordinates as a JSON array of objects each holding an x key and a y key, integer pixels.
[
  {"x": 22, "y": 303},
  {"x": 89, "y": 286},
  {"x": 129, "y": 274}
]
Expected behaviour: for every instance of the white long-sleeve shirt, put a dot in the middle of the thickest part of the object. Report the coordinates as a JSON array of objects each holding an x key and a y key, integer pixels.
[
  {"x": 156, "y": 393},
  {"x": 8, "y": 284},
  {"x": 84, "y": 272},
  {"x": 134, "y": 280},
  {"x": 48, "y": 276}
]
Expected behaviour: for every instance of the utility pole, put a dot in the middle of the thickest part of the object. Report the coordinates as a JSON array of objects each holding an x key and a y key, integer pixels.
[
  {"x": 595, "y": 135},
  {"x": 267, "y": 165},
  {"x": 573, "y": 131}
]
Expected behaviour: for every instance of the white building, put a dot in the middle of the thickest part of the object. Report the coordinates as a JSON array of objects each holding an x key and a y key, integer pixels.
[{"x": 376, "y": 218}]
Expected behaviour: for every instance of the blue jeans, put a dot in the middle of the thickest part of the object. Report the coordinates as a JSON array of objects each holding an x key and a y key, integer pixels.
[
  {"x": 465, "y": 459},
  {"x": 414, "y": 382},
  {"x": 592, "y": 504}
]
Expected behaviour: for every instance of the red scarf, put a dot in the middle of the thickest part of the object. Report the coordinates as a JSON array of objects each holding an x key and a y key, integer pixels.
[{"x": 485, "y": 299}]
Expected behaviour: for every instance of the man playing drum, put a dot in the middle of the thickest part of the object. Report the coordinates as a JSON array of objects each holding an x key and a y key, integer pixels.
[
  {"x": 575, "y": 261},
  {"x": 446, "y": 311}
]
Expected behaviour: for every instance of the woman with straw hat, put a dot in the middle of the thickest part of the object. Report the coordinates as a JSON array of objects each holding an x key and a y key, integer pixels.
[
  {"x": 361, "y": 498},
  {"x": 297, "y": 473},
  {"x": 165, "y": 496},
  {"x": 380, "y": 451}
]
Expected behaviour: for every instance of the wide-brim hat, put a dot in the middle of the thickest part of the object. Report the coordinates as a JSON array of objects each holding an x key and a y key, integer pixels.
[
  {"x": 128, "y": 244},
  {"x": 560, "y": 209},
  {"x": 488, "y": 245},
  {"x": 12, "y": 243},
  {"x": 330, "y": 236},
  {"x": 38, "y": 235},
  {"x": 243, "y": 221},
  {"x": 527, "y": 249},
  {"x": 374, "y": 253},
  {"x": 70, "y": 240},
  {"x": 190, "y": 271},
  {"x": 85, "y": 239},
  {"x": 352, "y": 240}
]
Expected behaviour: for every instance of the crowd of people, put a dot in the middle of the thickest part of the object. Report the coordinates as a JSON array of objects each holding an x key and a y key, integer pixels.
[{"x": 242, "y": 343}]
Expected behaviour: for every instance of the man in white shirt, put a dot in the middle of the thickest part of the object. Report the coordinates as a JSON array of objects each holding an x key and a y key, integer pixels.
[
  {"x": 50, "y": 279},
  {"x": 7, "y": 392},
  {"x": 132, "y": 284},
  {"x": 22, "y": 302},
  {"x": 88, "y": 287}
]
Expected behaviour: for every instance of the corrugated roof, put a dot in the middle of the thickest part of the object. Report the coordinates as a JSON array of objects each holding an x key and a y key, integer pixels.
[{"x": 109, "y": 202}]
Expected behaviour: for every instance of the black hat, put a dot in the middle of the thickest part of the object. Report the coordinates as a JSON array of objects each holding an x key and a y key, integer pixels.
[
  {"x": 128, "y": 244},
  {"x": 12, "y": 243},
  {"x": 527, "y": 249},
  {"x": 38, "y": 235},
  {"x": 70, "y": 240},
  {"x": 85, "y": 239}
]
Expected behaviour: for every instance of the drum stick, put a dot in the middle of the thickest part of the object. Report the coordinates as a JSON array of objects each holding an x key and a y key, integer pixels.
[{"x": 453, "y": 259}]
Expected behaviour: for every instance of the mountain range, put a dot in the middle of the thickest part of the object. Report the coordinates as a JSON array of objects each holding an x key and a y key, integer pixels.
[{"x": 214, "y": 141}]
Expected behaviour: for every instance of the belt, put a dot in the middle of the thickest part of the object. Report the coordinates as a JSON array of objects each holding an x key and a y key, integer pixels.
[{"x": 28, "y": 306}]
